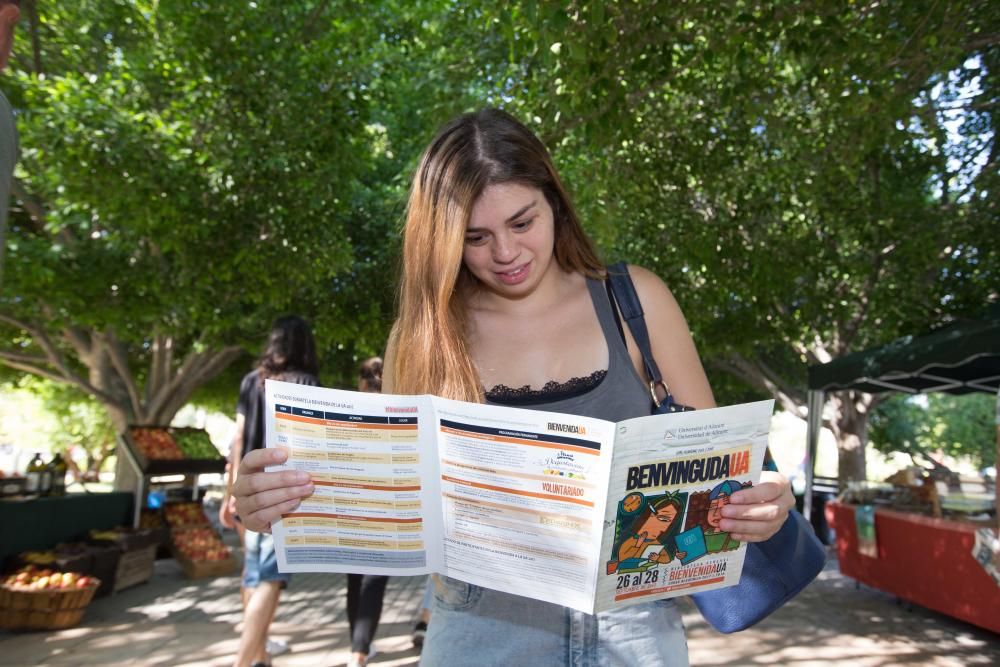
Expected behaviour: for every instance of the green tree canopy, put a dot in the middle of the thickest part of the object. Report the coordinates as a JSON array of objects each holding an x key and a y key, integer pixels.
[
  {"x": 810, "y": 177},
  {"x": 958, "y": 426}
]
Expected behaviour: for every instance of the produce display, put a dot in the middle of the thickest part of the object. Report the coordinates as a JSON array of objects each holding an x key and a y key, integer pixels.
[
  {"x": 151, "y": 519},
  {"x": 185, "y": 514},
  {"x": 41, "y": 598},
  {"x": 163, "y": 450},
  {"x": 35, "y": 578},
  {"x": 195, "y": 444},
  {"x": 200, "y": 544},
  {"x": 155, "y": 443},
  {"x": 72, "y": 557}
]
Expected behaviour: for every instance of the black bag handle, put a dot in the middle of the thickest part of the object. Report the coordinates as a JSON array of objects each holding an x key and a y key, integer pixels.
[{"x": 623, "y": 290}]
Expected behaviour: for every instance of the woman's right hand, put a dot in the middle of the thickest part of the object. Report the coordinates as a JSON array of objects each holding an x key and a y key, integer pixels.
[{"x": 262, "y": 497}]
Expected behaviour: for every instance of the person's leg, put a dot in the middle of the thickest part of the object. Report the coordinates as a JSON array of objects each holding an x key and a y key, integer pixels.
[
  {"x": 420, "y": 629},
  {"x": 428, "y": 601},
  {"x": 256, "y": 620},
  {"x": 369, "y": 611},
  {"x": 262, "y": 584},
  {"x": 353, "y": 598}
]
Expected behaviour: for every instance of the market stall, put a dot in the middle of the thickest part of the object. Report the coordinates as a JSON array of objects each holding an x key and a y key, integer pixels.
[
  {"x": 58, "y": 551},
  {"x": 159, "y": 451},
  {"x": 924, "y": 555},
  {"x": 155, "y": 452}
]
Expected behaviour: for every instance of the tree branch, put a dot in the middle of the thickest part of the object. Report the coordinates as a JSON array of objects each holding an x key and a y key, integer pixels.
[
  {"x": 36, "y": 212},
  {"x": 55, "y": 359},
  {"x": 36, "y": 42},
  {"x": 34, "y": 370},
  {"x": 23, "y": 358},
  {"x": 162, "y": 394},
  {"x": 119, "y": 361},
  {"x": 309, "y": 31},
  {"x": 745, "y": 370},
  {"x": 179, "y": 392},
  {"x": 79, "y": 340}
]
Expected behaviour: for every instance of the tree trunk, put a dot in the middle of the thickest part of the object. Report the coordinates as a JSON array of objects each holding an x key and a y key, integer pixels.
[{"x": 850, "y": 427}]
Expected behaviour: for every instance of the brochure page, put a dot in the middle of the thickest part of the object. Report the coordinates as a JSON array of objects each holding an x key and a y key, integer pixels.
[
  {"x": 670, "y": 477},
  {"x": 523, "y": 493},
  {"x": 376, "y": 506}
]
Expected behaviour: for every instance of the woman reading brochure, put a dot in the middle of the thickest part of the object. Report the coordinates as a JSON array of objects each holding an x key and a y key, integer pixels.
[{"x": 503, "y": 300}]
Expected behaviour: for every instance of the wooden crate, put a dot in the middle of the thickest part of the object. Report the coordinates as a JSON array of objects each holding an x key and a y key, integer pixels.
[
  {"x": 134, "y": 567},
  {"x": 207, "y": 568},
  {"x": 43, "y": 610}
]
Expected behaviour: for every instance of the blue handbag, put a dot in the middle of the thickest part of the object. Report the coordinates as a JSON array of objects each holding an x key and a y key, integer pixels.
[{"x": 774, "y": 571}]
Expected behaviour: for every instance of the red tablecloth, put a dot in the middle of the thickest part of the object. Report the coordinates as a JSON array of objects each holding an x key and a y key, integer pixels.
[{"x": 920, "y": 559}]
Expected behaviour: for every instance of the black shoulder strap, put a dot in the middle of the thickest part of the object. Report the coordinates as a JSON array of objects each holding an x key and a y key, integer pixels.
[
  {"x": 631, "y": 309},
  {"x": 624, "y": 293}
]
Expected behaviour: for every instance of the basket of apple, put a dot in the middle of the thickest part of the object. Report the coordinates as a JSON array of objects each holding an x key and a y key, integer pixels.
[{"x": 39, "y": 598}]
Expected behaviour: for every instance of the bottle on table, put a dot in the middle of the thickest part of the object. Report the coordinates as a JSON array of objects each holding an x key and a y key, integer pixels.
[
  {"x": 57, "y": 471},
  {"x": 34, "y": 475}
]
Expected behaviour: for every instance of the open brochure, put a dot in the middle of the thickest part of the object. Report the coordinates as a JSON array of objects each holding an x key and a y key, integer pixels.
[{"x": 580, "y": 512}]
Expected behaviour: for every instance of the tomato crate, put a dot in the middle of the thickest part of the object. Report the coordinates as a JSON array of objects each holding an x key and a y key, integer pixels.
[{"x": 200, "y": 569}]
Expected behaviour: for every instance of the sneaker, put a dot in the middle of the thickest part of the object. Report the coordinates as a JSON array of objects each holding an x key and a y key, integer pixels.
[
  {"x": 419, "y": 633},
  {"x": 277, "y": 647}
]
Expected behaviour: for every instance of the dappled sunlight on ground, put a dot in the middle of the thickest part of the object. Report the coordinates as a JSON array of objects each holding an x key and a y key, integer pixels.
[{"x": 172, "y": 621}]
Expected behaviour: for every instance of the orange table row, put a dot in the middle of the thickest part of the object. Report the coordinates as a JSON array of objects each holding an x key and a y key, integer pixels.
[{"x": 920, "y": 559}]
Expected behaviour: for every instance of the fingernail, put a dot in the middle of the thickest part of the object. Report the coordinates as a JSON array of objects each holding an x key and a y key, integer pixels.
[
  {"x": 307, "y": 489},
  {"x": 301, "y": 477}
]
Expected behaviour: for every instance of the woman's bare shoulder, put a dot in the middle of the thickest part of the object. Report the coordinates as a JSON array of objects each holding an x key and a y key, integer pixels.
[
  {"x": 653, "y": 293},
  {"x": 672, "y": 345}
]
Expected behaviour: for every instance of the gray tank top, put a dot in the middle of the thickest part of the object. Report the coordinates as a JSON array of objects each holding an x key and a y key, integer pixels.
[{"x": 622, "y": 394}]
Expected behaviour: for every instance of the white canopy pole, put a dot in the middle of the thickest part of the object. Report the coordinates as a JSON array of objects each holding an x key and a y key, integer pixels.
[{"x": 815, "y": 400}]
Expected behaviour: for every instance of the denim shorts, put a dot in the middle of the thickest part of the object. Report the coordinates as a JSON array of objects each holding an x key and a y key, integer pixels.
[
  {"x": 260, "y": 563},
  {"x": 501, "y": 629}
]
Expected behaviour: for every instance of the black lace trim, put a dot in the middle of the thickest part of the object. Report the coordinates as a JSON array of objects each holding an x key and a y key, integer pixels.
[{"x": 552, "y": 391}]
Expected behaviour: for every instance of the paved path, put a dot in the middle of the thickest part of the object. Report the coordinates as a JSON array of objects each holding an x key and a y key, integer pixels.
[{"x": 173, "y": 621}]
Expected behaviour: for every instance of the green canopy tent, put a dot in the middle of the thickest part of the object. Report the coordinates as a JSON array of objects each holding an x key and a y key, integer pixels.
[{"x": 959, "y": 358}]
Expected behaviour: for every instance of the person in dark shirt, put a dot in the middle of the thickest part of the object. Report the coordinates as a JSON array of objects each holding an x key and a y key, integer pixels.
[{"x": 290, "y": 356}]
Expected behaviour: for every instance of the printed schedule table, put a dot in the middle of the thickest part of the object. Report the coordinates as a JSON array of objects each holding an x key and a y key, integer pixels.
[{"x": 367, "y": 504}]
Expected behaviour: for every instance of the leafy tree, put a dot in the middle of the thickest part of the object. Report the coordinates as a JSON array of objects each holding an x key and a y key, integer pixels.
[
  {"x": 810, "y": 177},
  {"x": 958, "y": 426},
  {"x": 792, "y": 169},
  {"x": 188, "y": 174}
]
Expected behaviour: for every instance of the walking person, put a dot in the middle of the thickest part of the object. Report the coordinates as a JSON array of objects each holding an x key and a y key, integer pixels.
[
  {"x": 365, "y": 592},
  {"x": 289, "y": 356},
  {"x": 503, "y": 300}
]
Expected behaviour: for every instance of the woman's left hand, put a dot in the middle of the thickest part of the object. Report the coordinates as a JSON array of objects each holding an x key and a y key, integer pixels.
[{"x": 756, "y": 513}]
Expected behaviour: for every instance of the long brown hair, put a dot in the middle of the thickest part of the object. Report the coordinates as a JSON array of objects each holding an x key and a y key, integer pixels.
[
  {"x": 290, "y": 346},
  {"x": 470, "y": 153}
]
